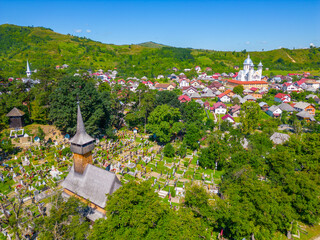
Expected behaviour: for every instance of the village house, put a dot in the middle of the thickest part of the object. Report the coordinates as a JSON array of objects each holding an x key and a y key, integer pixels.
[
  {"x": 285, "y": 107},
  {"x": 274, "y": 111},
  {"x": 208, "y": 94},
  {"x": 234, "y": 111},
  {"x": 184, "y": 83},
  {"x": 303, "y": 106},
  {"x": 228, "y": 118},
  {"x": 122, "y": 82},
  {"x": 301, "y": 83},
  {"x": 264, "y": 106},
  {"x": 224, "y": 98},
  {"x": 219, "y": 108},
  {"x": 184, "y": 98},
  {"x": 189, "y": 90},
  {"x": 304, "y": 115},
  {"x": 313, "y": 83},
  {"x": 290, "y": 87},
  {"x": 195, "y": 95},
  {"x": 282, "y": 98},
  {"x": 165, "y": 86}
]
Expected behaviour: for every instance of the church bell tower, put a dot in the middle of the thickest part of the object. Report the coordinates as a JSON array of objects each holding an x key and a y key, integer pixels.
[{"x": 81, "y": 146}]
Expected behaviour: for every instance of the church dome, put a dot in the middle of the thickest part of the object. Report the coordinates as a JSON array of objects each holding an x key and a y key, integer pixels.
[{"x": 248, "y": 61}]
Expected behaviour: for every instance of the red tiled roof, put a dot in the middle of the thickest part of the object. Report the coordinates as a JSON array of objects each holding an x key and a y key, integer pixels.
[
  {"x": 281, "y": 95},
  {"x": 228, "y": 91},
  {"x": 301, "y": 81},
  {"x": 247, "y": 82},
  {"x": 184, "y": 97},
  {"x": 218, "y": 104},
  {"x": 227, "y": 116}
]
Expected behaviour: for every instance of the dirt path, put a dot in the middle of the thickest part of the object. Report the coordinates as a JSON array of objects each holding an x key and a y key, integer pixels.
[{"x": 294, "y": 61}]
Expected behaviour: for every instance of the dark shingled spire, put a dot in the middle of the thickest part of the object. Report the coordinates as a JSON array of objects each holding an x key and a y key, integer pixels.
[{"x": 81, "y": 137}]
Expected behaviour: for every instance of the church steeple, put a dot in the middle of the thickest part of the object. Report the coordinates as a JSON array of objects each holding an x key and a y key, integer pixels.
[
  {"x": 81, "y": 145},
  {"x": 28, "y": 72}
]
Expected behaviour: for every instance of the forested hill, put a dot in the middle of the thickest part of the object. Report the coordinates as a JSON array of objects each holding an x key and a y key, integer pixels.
[{"x": 46, "y": 48}]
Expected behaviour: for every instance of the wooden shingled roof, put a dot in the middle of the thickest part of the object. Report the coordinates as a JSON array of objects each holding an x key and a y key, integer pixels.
[{"x": 15, "y": 112}]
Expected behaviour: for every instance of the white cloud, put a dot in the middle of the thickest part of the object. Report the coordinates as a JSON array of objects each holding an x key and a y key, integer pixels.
[
  {"x": 312, "y": 45},
  {"x": 88, "y": 31},
  {"x": 78, "y": 30},
  {"x": 247, "y": 42}
]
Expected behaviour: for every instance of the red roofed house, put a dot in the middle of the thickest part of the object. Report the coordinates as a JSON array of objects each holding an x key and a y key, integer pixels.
[
  {"x": 219, "y": 108},
  {"x": 301, "y": 83},
  {"x": 224, "y": 98},
  {"x": 228, "y": 118},
  {"x": 121, "y": 81},
  {"x": 184, "y": 98},
  {"x": 229, "y": 92},
  {"x": 282, "y": 98},
  {"x": 290, "y": 87}
]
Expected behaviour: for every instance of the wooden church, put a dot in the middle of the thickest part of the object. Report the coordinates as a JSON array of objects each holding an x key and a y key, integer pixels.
[{"x": 86, "y": 181}]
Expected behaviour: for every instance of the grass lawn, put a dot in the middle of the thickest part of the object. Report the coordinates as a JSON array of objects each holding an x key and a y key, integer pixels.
[{"x": 4, "y": 186}]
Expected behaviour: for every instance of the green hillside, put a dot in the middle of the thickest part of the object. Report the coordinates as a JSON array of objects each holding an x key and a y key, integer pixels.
[
  {"x": 152, "y": 45},
  {"x": 46, "y": 48}
]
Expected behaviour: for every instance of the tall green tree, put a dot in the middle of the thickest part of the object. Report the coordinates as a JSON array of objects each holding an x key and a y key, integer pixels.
[
  {"x": 164, "y": 122},
  {"x": 249, "y": 117},
  {"x": 94, "y": 108}
]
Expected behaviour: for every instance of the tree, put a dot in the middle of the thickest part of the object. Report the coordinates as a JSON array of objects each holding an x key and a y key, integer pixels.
[
  {"x": 216, "y": 152},
  {"x": 161, "y": 122},
  {"x": 192, "y": 112},
  {"x": 192, "y": 136},
  {"x": 6, "y": 145},
  {"x": 14, "y": 212},
  {"x": 238, "y": 90},
  {"x": 249, "y": 117},
  {"x": 168, "y": 150},
  {"x": 65, "y": 221},
  {"x": 132, "y": 212},
  {"x": 142, "y": 215},
  {"x": 167, "y": 97},
  {"x": 63, "y": 110}
]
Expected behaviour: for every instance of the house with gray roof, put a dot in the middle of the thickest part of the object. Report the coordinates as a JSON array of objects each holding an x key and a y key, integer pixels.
[
  {"x": 304, "y": 115},
  {"x": 285, "y": 107},
  {"x": 274, "y": 111}
]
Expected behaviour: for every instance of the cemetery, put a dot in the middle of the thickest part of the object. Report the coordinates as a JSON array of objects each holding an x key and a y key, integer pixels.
[{"x": 131, "y": 156}]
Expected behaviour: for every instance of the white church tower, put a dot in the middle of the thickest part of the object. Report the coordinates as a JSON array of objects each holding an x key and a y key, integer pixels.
[
  {"x": 260, "y": 68},
  {"x": 248, "y": 73},
  {"x": 28, "y": 72},
  {"x": 246, "y": 64}
]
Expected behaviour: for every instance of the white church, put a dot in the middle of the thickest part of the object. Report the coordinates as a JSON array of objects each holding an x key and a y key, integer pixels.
[{"x": 248, "y": 73}]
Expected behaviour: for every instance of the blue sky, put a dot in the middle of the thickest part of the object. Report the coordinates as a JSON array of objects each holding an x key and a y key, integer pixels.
[{"x": 218, "y": 25}]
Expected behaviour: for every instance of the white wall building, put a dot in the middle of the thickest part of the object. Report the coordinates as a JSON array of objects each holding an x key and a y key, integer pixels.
[{"x": 248, "y": 73}]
